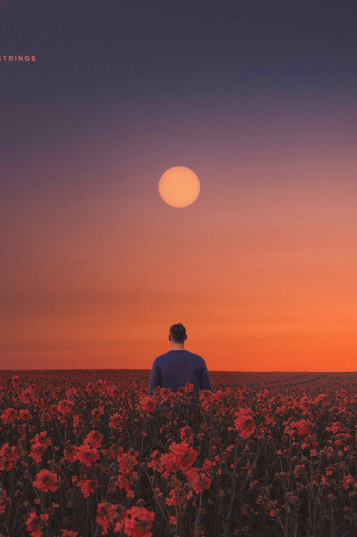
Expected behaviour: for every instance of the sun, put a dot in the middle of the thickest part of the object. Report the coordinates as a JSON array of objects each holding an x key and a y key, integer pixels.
[{"x": 179, "y": 186}]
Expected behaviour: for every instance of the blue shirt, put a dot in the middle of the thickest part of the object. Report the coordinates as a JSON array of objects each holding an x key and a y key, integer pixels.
[{"x": 175, "y": 369}]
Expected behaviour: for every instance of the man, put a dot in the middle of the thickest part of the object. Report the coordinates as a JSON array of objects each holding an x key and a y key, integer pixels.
[{"x": 177, "y": 367}]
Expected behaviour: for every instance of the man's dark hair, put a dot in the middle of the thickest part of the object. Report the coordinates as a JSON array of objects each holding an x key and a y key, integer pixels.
[{"x": 178, "y": 332}]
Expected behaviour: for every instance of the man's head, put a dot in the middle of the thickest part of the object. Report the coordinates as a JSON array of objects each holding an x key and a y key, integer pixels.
[{"x": 177, "y": 333}]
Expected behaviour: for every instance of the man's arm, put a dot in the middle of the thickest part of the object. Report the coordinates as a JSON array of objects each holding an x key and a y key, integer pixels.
[
  {"x": 205, "y": 382},
  {"x": 155, "y": 379}
]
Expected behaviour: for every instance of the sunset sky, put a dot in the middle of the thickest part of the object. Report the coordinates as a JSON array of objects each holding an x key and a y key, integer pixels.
[{"x": 258, "y": 98}]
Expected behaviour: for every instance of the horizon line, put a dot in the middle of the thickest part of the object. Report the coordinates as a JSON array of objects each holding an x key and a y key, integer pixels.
[{"x": 142, "y": 369}]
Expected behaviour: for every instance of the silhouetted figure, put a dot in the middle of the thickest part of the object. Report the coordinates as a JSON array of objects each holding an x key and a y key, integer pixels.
[{"x": 176, "y": 368}]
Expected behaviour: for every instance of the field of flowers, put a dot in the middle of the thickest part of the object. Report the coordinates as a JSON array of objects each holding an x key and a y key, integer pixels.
[{"x": 88, "y": 453}]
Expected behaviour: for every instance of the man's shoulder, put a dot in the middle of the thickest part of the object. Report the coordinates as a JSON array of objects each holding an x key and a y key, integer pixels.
[
  {"x": 162, "y": 357},
  {"x": 196, "y": 357},
  {"x": 193, "y": 354}
]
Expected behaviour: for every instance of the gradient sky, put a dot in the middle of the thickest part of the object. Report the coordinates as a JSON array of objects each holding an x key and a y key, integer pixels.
[{"x": 259, "y": 100}]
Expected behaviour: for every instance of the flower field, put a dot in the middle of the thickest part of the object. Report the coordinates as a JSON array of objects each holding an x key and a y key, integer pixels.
[{"x": 89, "y": 453}]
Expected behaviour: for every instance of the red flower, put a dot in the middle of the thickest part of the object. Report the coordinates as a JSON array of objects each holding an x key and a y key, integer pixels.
[
  {"x": 109, "y": 514},
  {"x": 87, "y": 454},
  {"x": 172, "y": 498},
  {"x": 35, "y": 523},
  {"x": 46, "y": 481},
  {"x": 71, "y": 452},
  {"x": 101, "y": 386},
  {"x": 88, "y": 486},
  {"x": 303, "y": 426},
  {"x": 25, "y": 414},
  {"x": 244, "y": 422},
  {"x": 15, "y": 380},
  {"x": 127, "y": 461},
  {"x": 94, "y": 438},
  {"x": 183, "y": 455},
  {"x": 65, "y": 406},
  {"x": 41, "y": 440},
  {"x": 10, "y": 414},
  {"x": 8, "y": 456},
  {"x": 186, "y": 433},
  {"x": 126, "y": 482},
  {"x": 198, "y": 479},
  {"x": 163, "y": 463},
  {"x": 147, "y": 403},
  {"x": 162, "y": 393},
  {"x": 138, "y": 521},
  {"x": 347, "y": 480},
  {"x": 54, "y": 409},
  {"x": 115, "y": 420}
]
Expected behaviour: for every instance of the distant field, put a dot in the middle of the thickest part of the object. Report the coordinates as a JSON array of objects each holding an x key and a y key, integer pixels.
[{"x": 312, "y": 383}]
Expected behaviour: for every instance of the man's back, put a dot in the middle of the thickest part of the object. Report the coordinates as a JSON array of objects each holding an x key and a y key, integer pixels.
[{"x": 176, "y": 368}]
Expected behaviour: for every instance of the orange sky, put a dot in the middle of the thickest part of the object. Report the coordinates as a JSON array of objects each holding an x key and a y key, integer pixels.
[{"x": 261, "y": 269}]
